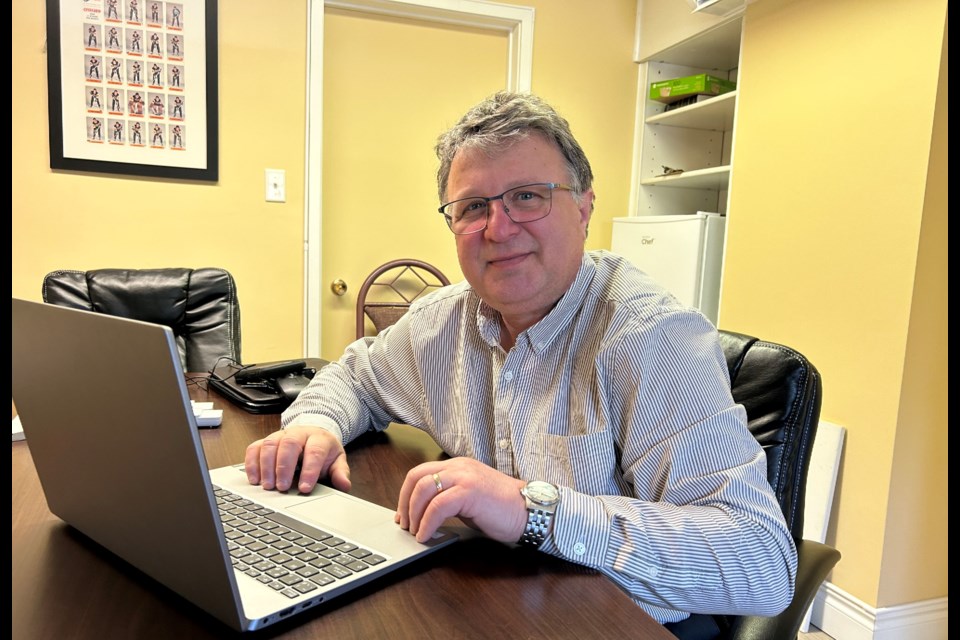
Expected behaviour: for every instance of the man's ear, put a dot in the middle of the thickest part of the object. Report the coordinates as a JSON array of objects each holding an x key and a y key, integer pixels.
[{"x": 586, "y": 209}]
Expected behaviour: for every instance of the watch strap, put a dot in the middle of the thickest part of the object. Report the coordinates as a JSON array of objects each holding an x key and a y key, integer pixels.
[{"x": 538, "y": 526}]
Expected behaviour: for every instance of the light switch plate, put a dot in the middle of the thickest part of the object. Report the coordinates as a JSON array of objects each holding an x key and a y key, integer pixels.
[{"x": 276, "y": 185}]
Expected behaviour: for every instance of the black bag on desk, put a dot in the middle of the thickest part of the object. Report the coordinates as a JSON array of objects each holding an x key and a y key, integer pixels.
[{"x": 267, "y": 387}]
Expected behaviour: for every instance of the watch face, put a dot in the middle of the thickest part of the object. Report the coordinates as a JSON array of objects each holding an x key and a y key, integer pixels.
[{"x": 541, "y": 492}]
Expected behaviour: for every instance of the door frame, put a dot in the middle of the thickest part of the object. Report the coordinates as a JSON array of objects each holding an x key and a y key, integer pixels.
[{"x": 515, "y": 21}]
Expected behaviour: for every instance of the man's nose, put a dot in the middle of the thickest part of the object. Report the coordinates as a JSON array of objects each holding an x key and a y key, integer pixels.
[
  {"x": 499, "y": 221},
  {"x": 503, "y": 206},
  {"x": 503, "y": 203}
]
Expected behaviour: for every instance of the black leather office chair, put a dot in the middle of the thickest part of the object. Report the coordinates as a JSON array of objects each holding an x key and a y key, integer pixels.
[
  {"x": 387, "y": 292},
  {"x": 199, "y": 305},
  {"x": 781, "y": 391}
]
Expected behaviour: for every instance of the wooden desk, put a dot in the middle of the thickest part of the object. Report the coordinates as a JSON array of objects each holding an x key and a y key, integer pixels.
[{"x": 65, "y": 586}]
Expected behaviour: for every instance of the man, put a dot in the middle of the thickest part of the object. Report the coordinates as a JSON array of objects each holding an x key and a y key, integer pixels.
[
  {"x": 177, "y": 108},
  {"x": 115, "y": 70},
  {"x": 584, "y": 409},
  {"x": 136, "y": 105}
]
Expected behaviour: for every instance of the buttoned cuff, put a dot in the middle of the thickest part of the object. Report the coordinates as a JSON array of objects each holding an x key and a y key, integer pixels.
[{"x": 581, "y": 529}]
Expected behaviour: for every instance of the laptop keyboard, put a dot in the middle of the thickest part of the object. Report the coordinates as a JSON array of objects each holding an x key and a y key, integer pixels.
[{"x": 283, "y": 553}]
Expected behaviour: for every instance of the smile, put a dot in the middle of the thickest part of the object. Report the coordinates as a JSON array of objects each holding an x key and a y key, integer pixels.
[{"x": 507, "y": 261}]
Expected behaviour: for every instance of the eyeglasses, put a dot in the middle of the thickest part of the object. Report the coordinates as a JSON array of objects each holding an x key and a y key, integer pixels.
[{"x": 525, "y": 203}]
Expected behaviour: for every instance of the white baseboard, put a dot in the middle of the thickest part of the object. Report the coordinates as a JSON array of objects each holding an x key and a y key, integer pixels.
[{"x": 843, "y": 617}]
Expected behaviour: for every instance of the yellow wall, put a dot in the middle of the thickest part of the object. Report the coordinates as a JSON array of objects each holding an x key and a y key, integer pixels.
[
  {"x": 836, "y": 240},
  {"x": 830, "y": 194},
  {"x": 913, "y": 565}
]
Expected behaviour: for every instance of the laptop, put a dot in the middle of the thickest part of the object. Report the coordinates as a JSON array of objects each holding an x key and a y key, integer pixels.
[{"x": 108, "y": 420}]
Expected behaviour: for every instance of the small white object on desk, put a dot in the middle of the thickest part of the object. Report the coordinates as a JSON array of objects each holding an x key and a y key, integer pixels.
[
  {"x": 206, "y": 415},
  {"x": 17, "y": 429}
]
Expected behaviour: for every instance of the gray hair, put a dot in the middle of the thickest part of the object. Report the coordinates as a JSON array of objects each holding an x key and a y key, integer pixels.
[{"x": 501, "y": 120}]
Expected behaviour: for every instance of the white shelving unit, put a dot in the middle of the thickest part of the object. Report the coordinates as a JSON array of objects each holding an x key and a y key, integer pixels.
[{"x": 697, "y": 138}]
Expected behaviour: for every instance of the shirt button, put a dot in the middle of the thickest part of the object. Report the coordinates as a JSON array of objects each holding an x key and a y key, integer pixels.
[
  {"x": 508, "y": 376},
  {"x": 504, "y": 443},
  {"x": 579, "y": 549}
]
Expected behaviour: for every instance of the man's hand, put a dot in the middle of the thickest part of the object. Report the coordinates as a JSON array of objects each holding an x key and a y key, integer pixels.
[
  {"x": 481, "y": 496},
  {"x": 272, "y": 461}
]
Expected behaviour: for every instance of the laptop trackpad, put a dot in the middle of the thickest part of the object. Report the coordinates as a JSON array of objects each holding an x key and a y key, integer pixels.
[{"x": 344, "y": 513}]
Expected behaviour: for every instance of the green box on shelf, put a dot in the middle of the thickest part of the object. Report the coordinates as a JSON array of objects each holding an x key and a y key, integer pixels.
[{"x": 701, "y": 84}]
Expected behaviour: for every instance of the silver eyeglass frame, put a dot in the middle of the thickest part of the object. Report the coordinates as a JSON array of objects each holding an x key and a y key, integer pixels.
[{"x": 550, "y": 185}]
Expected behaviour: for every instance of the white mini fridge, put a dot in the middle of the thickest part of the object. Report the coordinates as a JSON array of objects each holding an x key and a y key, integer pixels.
[{"x": 684, "y": 253}]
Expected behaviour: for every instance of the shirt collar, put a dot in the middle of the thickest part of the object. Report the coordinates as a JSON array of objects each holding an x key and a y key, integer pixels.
[{"x": 540, "y": 335}]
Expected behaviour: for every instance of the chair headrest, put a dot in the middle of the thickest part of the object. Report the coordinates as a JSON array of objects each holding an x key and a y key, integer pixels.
[{"x": 199, "y": 305}]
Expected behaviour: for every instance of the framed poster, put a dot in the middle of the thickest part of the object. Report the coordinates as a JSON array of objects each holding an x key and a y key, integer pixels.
[{"x": 133, "y": 87}]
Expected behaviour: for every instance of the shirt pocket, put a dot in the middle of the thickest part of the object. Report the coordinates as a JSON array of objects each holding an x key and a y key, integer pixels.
[{"x": 585, "y": 462}]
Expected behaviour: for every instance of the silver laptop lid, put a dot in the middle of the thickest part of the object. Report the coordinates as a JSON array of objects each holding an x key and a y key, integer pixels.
[{"x": 93, "y": 392}]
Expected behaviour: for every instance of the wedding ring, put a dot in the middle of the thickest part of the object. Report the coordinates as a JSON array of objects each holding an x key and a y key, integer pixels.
[{"x": 436, "y": 481}]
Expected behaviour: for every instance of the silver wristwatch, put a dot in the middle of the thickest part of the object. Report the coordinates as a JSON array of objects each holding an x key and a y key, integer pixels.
[{"x": 542, "y": 499}]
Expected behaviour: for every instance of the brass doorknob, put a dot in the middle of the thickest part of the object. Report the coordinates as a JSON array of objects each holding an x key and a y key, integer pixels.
[{"x": 339, "y": 287}]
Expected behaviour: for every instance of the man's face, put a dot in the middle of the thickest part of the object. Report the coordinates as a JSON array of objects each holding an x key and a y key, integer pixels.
[{"x": 521, "y": 270}]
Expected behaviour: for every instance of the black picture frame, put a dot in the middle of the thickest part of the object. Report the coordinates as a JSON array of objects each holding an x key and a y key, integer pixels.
[{"x": 132, "y": 87}]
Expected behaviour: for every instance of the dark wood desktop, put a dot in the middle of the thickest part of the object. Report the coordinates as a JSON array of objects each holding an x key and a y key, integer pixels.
[{"x": 65, "y": 586}]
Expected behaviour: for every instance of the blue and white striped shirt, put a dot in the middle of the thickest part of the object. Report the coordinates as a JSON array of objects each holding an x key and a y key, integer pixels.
[{"x": 621, "y": 397}]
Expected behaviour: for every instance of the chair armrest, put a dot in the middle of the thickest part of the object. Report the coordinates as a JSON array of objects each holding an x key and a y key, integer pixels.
[{"x": 814, "y": 562}]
